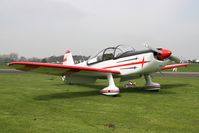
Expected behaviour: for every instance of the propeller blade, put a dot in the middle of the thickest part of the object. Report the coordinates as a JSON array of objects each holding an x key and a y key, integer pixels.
[
  {"x": 153, "y": 49},
  {"x": 175, "y": 59},
  {"x": 161, "y": 73}
]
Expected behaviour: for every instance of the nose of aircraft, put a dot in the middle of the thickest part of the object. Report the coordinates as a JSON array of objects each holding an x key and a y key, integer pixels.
[{"x": 165, "y": 54}]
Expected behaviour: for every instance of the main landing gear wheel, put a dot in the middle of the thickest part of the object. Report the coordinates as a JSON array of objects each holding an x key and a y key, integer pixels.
[{"x": 112, "y": 89}]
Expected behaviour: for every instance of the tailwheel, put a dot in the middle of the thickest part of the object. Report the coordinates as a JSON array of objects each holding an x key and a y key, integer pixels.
[{"x": 129, "y": 84}]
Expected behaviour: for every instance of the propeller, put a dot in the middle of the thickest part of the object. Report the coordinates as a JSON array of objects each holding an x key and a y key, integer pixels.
[
  {"x": 153, "y": 49},
  {"x": 162, "y": 74},
  {"x": 175, "y": 59},
  {"x": 164, "y": 54}
]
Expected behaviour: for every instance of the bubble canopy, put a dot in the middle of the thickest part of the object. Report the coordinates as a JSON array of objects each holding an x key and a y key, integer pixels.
[{"x": 110, "y": 53}]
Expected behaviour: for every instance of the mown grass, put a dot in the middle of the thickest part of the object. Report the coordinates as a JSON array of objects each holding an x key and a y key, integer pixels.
[
  {"x": 4, "y": 66},
  {"x": 40, "y": 104}
]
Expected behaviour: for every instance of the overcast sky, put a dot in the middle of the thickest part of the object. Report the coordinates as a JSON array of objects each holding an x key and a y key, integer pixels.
[{"x": 42, "y": 28}]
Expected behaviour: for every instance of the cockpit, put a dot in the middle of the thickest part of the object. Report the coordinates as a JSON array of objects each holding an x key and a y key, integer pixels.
[{"x": 110, "y": 53}]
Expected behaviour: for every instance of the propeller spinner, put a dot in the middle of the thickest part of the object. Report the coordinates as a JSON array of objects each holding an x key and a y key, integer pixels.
[{"x": 163, "y": 54}]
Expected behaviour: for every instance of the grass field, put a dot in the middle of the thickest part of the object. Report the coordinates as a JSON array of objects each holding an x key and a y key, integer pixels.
[
  {"x": 4, "y": 66},
  {"x": 34, "y": 103}
]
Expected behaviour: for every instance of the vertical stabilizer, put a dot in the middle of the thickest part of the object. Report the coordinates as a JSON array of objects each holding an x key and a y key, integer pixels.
[{"x": 68, "y": 58}]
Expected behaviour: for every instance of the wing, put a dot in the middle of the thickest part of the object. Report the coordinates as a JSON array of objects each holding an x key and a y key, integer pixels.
[
  {"x": 59, "y": 69},
  {"x": 174, "y": 66}
]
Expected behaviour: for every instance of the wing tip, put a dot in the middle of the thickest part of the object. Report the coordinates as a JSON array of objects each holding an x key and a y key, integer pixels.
[
  {"x": 176, "y": 65},
  {"x": 9, "y": 64}
]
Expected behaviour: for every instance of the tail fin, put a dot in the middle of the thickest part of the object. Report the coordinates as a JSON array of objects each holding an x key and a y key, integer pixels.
[{"x": 68, "y": 58}]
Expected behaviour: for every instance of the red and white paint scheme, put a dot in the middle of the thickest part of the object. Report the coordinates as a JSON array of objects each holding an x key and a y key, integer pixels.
[
  {"x": 113, "y": 62},
  {"x": 68, "y": 59}
]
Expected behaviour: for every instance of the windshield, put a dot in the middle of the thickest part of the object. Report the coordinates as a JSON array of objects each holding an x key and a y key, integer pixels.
[
  {"x": 120, "y": 49},
  {"x": 110, "y": 53}
]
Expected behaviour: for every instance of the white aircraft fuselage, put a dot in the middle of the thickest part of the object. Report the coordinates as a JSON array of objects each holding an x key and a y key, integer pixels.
[{"x": 112, "y": 62}]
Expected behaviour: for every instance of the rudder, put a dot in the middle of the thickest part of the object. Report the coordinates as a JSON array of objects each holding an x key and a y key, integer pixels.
[{"x": 68, "y": 58}]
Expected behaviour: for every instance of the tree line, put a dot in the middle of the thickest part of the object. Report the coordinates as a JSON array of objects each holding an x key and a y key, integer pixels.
[{"x": 6, "y": 58}]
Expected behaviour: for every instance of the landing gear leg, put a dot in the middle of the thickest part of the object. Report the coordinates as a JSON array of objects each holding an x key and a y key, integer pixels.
[
  {"x": 150, "y": 84},
  {"x": 111, "y": 89}
]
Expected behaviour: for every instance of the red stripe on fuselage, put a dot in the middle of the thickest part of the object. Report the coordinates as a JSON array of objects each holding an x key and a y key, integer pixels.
[{"x": 128, "y": 64}]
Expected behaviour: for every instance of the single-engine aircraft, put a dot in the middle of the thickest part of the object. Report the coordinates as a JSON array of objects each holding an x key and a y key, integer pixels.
[{"x": 113, "y": 62}]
